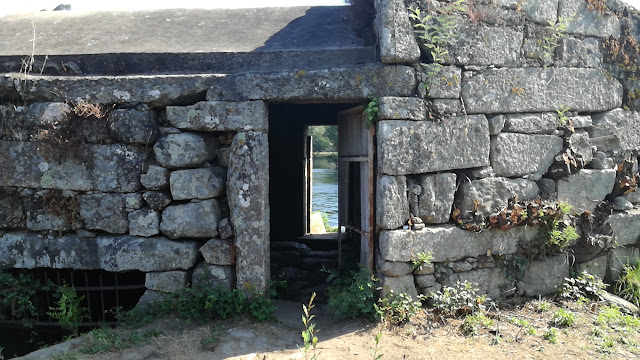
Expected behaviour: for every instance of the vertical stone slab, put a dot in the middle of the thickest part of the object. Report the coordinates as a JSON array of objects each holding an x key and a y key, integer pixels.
[
  {"x": 248, "y": 194},
  {"x": 397, "y": 42},
  {"x": 393, "y": 205}
]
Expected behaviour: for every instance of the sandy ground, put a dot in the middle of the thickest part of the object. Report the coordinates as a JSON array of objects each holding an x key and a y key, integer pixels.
[{"x": 426, "y": 337}]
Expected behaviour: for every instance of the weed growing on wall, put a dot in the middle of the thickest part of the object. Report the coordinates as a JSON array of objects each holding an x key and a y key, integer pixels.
[
  {"x": 371, "y": 110},
  {"x": 435, "y": 28},
  {"x": 558, "y": 32},
  {"x": 421, "y": 259}
]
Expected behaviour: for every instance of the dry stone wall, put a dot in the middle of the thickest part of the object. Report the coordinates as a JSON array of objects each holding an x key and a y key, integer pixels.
[
  {"x": 89, "y": 186},
  {"x": 508, "y": 115}
]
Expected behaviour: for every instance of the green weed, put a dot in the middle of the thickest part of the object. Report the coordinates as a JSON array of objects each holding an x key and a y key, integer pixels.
[
  {"x": 397, "y": 308},
  {"x": 564, "y": 318},
  {"x": 376, "y": 349},
  {"x": 461, "y": 299},
  {"x": 354, "y": 296},
  {"x": 551, "y": 335},
  {"x": 628, "y": 284},
  {"x": 371, "y": 110},
  {"x": 472, "y": 323},
  {"x": 584, "y": 287},
  {"x": 106, "y": 340},
  {"x": 558, "y": 32},
  {"x": 309, "y": 333},
  {"x": 68, "y": 310},
  {"x": 436, "y": 29},
  {"x": 422, "y": 259}
]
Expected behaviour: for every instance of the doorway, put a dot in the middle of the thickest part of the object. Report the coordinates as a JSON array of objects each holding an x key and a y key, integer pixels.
[{"x": 297, "y": 254}]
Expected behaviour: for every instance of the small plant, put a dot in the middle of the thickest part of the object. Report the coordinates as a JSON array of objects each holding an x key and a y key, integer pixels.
[
  {"x": 69, "y": 311},
  {"x": 564, "y": 318},
  {"x": 309, "y": 333},
  {"x": 585, "y": 286},
  {"x": 375, "y": 350},
  {"x": 551, "y": 42},
  {"x": 551, "y": 335},
  {"x": 559, "y": 233},
  {"x": 422, "y": 259},
  {"x": 459, "y": 300},
  {"x": 397, "y": 308},
  {"x": 628, "y": 284},
  {"x": 563, "y": 119},
  {"x": 612, "y": 316},
  {"x": 16, "y": 297},
  {"x": 106, "y": 340},
  {"x": 472, "y": 323},
  {"x": 371, "y": 111},
  {"x": 543, "y": 306},
  {"x": 521, "y": 323},
  {"x": 355, "y": 296},
  {"x": 436, "y": 28}
]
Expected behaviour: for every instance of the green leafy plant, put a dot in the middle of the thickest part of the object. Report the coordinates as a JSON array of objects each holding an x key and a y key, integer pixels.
[
  {"x": 18, "y": 294},
  {"x": 551, "y": 335},
  {"x": 472, "y": 323},
  {"x": 558, "y": 32},
  {"x": 522, "y": 323},
  {"x": 628, "y": 284},
  {"x": 612, "y": 316},
  {"x": 436, "y": 28},
  {"x": 559, "y": 232},
  {"x": 68, "y": 310},
  {"x": 542, "y": 306},
  {"x": 309, "y": 333},
  {"x": 371, "y": 111},
  {"x": 585, "y": 286},
  {"x": 459, "y": 300},
  {"x": 397, "y": 308},
  {"x": 563, "y": 119},
  {"x": 105, "y": 340},
  {"x": 353, "y": 297},
  {"x": 564, "y": 318},
  {"x": 376, "y": 349},
  {"x": 421, "y": 259},
  {"x": 513, "y": 265}
]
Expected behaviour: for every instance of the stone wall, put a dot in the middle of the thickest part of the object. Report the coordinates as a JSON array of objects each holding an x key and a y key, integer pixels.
[
  {"x": 507, "y": 118},
  {"x": 173, "y": 191},
  {"x": 165, "y": 174},
  {"x": 170, "y": 175}
]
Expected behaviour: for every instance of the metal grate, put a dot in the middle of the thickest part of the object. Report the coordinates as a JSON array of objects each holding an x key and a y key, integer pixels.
[{"x": 103, "y": 291}]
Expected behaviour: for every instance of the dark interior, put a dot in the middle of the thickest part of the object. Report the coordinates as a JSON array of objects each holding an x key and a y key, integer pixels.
[{"x": 297, "y": 258}]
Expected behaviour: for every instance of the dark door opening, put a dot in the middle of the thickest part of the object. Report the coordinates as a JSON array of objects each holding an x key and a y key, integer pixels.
[{"x": 297, "y": 255}]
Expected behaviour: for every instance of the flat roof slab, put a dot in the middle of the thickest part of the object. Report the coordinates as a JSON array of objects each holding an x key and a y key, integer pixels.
[{"x": 183, "y": 40}]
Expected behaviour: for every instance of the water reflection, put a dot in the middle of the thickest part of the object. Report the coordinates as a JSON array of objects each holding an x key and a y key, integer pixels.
[{"x": 325, "y": 193}]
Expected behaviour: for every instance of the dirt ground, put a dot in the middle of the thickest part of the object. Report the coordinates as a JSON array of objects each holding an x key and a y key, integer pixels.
[{"x": 425, "y": 337}]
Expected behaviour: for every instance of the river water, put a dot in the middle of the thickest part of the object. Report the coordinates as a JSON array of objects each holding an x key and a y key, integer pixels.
[{"x": 325, "y": 193}]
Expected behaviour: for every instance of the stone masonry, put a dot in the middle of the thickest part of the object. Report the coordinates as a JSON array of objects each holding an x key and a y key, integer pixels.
[{"x": 169, "y": 174}]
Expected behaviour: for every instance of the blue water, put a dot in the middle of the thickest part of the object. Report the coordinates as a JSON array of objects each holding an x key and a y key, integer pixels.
[{"x": 325, "y": 193}]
